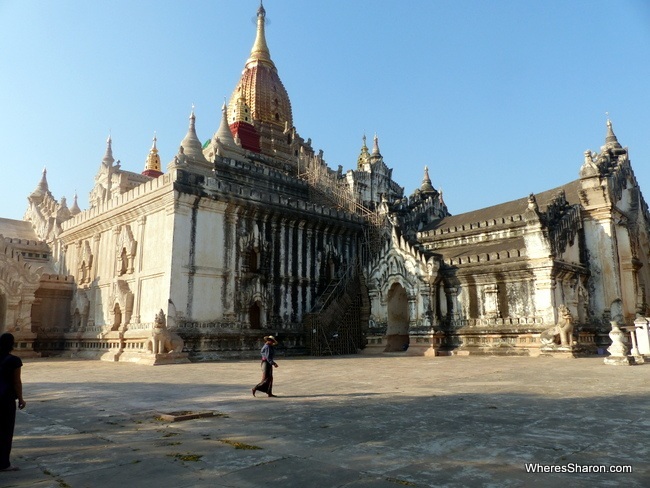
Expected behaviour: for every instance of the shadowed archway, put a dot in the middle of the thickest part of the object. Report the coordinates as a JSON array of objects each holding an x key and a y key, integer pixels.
[{"x": 397, "y": 331}]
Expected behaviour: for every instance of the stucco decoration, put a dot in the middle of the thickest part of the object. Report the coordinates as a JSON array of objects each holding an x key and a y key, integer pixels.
[
  {"x": 126, "y": 248},
  {"x": 79, "y": 309},
  {"x": 254, "y": 293},
  {"x": 18, "y": 283},
  {"x": 255, "y": 251},
  {"x": 121, "y": 301},
  {"x": 86, "y": 263},
  {"x": 398, "y": 262}
]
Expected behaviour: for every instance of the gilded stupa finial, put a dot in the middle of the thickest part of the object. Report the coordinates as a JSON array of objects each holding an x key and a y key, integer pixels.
[
  {"x": 152, "y": 164},
  {"x": 260, "y": 51}
]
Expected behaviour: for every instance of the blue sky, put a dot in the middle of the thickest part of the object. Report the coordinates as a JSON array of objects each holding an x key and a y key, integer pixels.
[{"x": 498, "y": 98}]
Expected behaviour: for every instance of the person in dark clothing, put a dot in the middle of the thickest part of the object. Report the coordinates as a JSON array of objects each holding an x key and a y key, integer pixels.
[
  {"x": 11, "y": 389},
  {"x": 268, "y": 351}
]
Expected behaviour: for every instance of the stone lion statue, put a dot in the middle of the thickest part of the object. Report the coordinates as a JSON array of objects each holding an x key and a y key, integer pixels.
[
  {"x": 163, "y": 340},
  {"x": 563, "y": 329}
]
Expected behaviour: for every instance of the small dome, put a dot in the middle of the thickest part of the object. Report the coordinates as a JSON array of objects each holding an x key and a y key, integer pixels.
[{"x": 192, "y": 147}]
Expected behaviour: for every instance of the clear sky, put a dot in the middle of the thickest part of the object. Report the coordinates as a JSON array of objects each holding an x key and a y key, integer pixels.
[{"x": 498, "y": 98}]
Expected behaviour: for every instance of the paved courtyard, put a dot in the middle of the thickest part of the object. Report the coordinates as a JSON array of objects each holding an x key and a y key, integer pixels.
[{"x": 355, "y": 421}]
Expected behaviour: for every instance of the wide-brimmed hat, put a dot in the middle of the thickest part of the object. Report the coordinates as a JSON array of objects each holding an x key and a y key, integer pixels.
[{"x": 270, "y": 338}]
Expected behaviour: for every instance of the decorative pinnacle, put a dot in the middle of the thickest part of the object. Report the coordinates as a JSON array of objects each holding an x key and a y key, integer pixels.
[
  {"x": 192, "y": 119},
  {"x": 108, "y": 156},
  {"x": 610, "y": 139},
  {"x": 260, "y": 51},
  {"x": 375, "y": 146},
  {"x": 426, "y": 181}
]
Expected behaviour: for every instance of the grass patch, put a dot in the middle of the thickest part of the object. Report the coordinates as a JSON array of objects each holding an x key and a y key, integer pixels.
[
  {"x": 239, "y": 445},
  {"x": 186, "y": 457},
  {"x": 400, "y": 482},
  {"x": 170, "y": 434}
]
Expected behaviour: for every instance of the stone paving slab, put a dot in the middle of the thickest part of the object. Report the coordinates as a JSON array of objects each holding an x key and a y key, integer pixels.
[{"x": 355, "y": 421}]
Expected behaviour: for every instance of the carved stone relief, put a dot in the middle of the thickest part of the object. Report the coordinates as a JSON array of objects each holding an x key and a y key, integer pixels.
[{"x": 126, "y": 249}]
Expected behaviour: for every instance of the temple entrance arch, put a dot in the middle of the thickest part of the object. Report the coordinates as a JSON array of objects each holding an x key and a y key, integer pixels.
[
  {"x": 330, "y": 271},
  {"x": 255, "y": 316},
  {"x": 397, "y": 330}
]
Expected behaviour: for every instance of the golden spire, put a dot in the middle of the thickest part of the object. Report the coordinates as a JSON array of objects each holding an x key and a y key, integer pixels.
[
  {"x": 364, "y": 156},
  {"x": 153, "y": 158},
  {"x": 260, "y": 51}
]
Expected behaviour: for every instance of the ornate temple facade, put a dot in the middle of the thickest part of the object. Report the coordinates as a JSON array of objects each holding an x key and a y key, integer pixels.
[{"x": 251, "y": 232}]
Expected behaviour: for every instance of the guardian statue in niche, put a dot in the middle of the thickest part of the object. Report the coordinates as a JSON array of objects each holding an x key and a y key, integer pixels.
[
  {"x": 563, "y": 329},
  {"x": 163, "y": 340}
]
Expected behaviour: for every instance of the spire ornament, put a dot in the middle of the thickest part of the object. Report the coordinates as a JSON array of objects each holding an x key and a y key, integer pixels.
[
  {"x": 108, "y": 159},
  {"x": 610, "y": 139},
  {"x": 223, "y": 134},
  {"x": 74, "y": 208},
  {"x": 42, "y": 187},
  {"x": 375, "y": 146},
  {"x": 260, "y": 52},
  {"x": 364, "y": 156},
  {"x": 191, "y": 145},
  {"x": 426, "y": 186},
  {"x": 152, "y": 164}
]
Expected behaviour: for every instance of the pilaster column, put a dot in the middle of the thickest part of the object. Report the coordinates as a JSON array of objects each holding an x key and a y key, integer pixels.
[
  {"x": 309, "y": 236},
  {"x": 94, "y": 269},
  {"x": 285, "y": 258},
  {"x": 300, "y": 278},
  {"x": 544, "y": 295},
  {"x": 413, "y": 313},
  {"x": 231, "y": 270}
]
